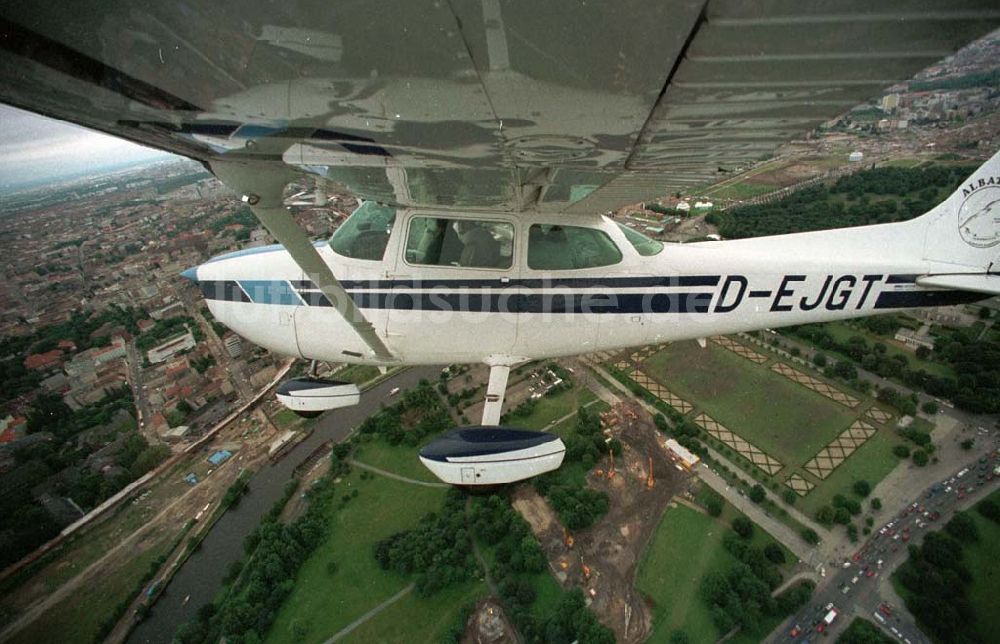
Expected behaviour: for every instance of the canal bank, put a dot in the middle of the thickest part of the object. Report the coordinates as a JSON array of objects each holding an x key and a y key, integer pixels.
[{"x": 201, "y": 576}]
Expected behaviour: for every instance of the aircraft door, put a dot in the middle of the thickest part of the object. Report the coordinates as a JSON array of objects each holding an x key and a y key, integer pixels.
[{"x": 451, "y": 290}]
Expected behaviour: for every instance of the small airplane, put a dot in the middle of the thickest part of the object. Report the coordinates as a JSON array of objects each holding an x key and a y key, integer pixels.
[{"x": 484, "y": 141}]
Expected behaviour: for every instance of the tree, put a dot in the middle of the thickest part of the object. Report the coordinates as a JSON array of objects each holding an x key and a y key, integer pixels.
[
  {"x": 923, "y": 352},
  {"x": 989, "y": 509},
  {"x": 809, "y": 536},
  {"x": 819, "y": 360},
  {"x": 901, "y": 451},
  {"x": 714, "y": 506},
  {"x": 825, "y": 515},
  {"x": 862, "y": 488},
  {"x": 920, "y": 458},
  {"x": 743, "y": 527},
  {"x": 968, "y": 444},
  {"x": 790, "y": 496},
  {"x": 679, "y": 637},
  {"x": 757, "y": 493},
  {"x": 930, "y": 407},
  {"x": 841, "y": 516},
  {"x": 774, "y": 553},
  {"x": 963, "y": 527},
  {"x": 876, "y": 503}
]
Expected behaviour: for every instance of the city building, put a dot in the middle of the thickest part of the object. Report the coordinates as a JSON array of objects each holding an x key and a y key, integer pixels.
[
  {"x": 680, "y": 455},
  {"x": 234, "y": 345},
  {"x": 170, "y": 348},
  {"x": 914, "y": 339}
]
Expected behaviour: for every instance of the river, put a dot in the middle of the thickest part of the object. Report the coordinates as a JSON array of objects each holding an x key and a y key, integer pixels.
[{"x": 201, "y": 576}]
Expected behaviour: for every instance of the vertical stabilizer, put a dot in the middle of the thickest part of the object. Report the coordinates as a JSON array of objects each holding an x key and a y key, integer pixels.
[{"x": 964, "y": 229}]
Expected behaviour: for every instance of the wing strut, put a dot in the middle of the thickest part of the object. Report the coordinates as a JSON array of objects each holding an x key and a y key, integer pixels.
[
  {"x": 495, "y": 390},
  {"x": 261, "y": 189}
]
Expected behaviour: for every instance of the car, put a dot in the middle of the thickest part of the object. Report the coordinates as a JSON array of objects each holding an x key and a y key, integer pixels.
[
  {"x": 885, "y": 609},
  {"x": 393, "y": 391},
  {"x": 869, "y": 573},
  {"x": 855, "y": 580},
  {"x": 879, "y": 617},
  {"x": 906, "y": 537},
  {"x": 796, "y": 631}
]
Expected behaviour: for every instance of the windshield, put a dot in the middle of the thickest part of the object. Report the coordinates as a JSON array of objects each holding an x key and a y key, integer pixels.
[
  {"x": 642, "y": 244},
  {"x": 365, "y": 234}
]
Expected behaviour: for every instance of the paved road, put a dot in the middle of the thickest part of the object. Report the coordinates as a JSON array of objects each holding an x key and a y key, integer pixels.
[
  {"x": 202, "y": 574},
  {"x": 859, "y": 585},
  {"x": 783, "y": 533}
]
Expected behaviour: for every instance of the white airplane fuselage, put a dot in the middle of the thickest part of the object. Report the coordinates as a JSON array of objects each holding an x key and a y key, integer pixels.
[{"x": 453, "y": 314}]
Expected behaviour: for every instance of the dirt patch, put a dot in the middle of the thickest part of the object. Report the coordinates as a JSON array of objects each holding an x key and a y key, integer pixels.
[
  {"x": 602, "y": 560},
  {"x": 535, "y": 510},
  {"x": 488, "y": 624}
]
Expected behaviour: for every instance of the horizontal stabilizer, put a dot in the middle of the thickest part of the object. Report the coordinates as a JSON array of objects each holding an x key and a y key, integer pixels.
[{"x": 977, "y": 282}]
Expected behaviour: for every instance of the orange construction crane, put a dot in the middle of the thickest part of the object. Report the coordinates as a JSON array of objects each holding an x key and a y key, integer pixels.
[
  {"x": 611, "y": 470},
  {"x": 649, "y": 480}
]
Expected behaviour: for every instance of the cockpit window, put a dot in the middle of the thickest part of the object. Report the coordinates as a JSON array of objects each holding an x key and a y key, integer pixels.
[
  {"x": 471, "y": 243},
  {"x": 365, "y": 234},
  {"x": 556, "y": 248},
  {"x": 642, "y": 244}
]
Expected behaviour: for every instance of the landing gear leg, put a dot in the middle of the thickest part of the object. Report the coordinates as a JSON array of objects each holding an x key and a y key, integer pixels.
[{"x": 495, "y": 390}]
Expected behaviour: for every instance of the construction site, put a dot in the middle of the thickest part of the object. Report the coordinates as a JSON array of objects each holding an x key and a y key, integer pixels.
[{"x": 602, "y": 559}]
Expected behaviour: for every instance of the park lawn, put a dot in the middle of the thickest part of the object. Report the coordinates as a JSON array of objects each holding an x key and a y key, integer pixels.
[
  {"x": 357, "y": 373},
  {"x": 78, "y": 617},
  {"x": 419, "y": 619},
  {"x": 325, "y": 603},
  {"x": 287, "y": 419},
  {"x": 781, "y": 417},
  {"x": 686, "y": 546},
  {"x": 981, "y": 561},
  {"x": 552, "y": 408},
  {"x": 398, "y": 459},
  {"x": 842, "y": 332},
  {"x": 745, "y": 189},
  {"x": 871, "y": 462}
]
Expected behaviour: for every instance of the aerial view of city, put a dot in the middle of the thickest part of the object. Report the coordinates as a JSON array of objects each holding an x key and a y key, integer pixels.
[{"x": 170, "y": 470}]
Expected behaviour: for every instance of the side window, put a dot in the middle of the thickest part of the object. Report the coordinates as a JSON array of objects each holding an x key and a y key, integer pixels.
[
  {"x": 642, "y": 244},
  {"x": 437, "y": 241},
  {"x": 557, "y": 248},
  {"x": 365, "y": 234}
]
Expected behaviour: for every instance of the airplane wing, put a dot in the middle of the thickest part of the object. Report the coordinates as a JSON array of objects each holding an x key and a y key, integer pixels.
[{"x": 561, "y": 106}]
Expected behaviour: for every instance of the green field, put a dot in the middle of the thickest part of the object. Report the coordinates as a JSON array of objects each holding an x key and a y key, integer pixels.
[
  {"x": 78, "y": 617},
  {"x": 981, "y": 561},
  {"x": 742, "y": 190},
  {"x": 782, "y": 418},
  {"x": 323, "y": 603},
  {"x": 418, "y": 619},
  {"x": 398, "y": 459},
  {"x": 551, "y": 408},
  {"x": 871, "y": 462},
  {"x": 687, "y": 546}
]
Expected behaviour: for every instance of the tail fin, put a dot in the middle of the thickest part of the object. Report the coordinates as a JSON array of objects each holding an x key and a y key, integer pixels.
[{"x": 964, "y": 230}]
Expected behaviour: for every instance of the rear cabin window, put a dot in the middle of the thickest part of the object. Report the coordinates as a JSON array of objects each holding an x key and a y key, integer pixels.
[
  {"x": 468, "y": 243},
  {"x": 365, "y": 234},
  {"x": 642, "y": 244},
  {"x": 557, "y": 248}
]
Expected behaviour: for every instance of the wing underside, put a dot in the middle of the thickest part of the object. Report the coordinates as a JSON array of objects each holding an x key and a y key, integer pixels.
[{"x": 561, "y": 106}]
